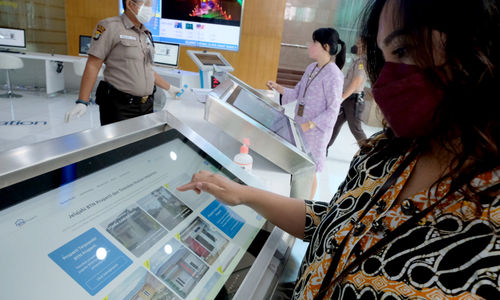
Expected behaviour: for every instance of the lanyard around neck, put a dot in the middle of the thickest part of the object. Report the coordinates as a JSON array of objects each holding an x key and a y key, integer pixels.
[
  {"x": 328, "y": 280},
  {"x": 312, "y": 77}
]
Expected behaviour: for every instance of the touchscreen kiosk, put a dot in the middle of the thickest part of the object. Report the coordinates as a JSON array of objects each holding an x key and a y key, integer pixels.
[
  {"x": 242, "y": 113},
  {"x": 213, "y": 67},
  {"x": 101, "y": 218}
]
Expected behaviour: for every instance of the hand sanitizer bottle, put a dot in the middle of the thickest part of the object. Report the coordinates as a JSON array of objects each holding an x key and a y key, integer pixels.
[{"x": 243, "y": 159}]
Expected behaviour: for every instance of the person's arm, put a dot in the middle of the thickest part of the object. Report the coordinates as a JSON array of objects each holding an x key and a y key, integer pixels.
[
  {"x": 287, "y": 213},
  {"x": 173, "y": 91},
  {"x": 355, "y": 84},
  {"x": 159, "y": 81},
  {"x": 89, "y": 77},
  {"x": 290, "y": 95},
  {"x": 273, "y": 85}
]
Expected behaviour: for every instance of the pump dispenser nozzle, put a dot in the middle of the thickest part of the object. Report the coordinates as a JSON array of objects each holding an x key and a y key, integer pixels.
[
  {"x": 243, "y": 159},
  {"x": 244, "y": 147}
]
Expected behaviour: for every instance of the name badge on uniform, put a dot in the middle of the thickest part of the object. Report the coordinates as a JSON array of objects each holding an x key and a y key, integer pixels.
[
  {"x": 128, "y": 37},
  {"x": 300, "y": 111}
]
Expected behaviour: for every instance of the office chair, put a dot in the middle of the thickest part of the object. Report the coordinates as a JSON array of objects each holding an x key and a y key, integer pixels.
[{"x": 10, "y": 62}]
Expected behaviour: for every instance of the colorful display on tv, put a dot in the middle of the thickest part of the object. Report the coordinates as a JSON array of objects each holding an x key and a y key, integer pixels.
[{"x": 214, "y": 24}]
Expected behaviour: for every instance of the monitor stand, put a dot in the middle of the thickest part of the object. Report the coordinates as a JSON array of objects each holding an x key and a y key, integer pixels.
[{"x": 7, "y": 50}]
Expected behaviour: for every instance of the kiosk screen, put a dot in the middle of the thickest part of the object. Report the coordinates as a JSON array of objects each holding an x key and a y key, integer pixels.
[
  {"x": 210, "y": 59},
  {"x": 115, "y": 227},
  {"x": 263, "y": 113}
]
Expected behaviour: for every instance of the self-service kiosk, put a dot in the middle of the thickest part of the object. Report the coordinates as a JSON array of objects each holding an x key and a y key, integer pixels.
[
  {"x": 213, "y": 67},
  {"x": 96, "y": 215}
]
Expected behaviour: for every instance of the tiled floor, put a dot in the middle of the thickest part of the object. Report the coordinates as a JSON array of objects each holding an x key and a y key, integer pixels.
[{"x": 35, "y": 117}]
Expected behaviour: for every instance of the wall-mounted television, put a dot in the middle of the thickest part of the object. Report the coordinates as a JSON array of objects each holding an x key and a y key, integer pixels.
[{"x": 214, "y": 24}]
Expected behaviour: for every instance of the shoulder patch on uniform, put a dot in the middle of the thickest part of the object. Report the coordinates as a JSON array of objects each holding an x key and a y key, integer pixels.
[
  {"x": 98, "y": 31},
  {"x": 361, "y": 67}
]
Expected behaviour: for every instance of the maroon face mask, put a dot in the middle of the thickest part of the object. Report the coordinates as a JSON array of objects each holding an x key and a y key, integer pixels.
[{"x": 407, "y": 98}]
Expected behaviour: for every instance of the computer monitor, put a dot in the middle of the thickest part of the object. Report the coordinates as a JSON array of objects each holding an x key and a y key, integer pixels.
[
  {"x": 84, "y": 44},
  {"x": 12, "y": 37},
  {"x": 166, "y": 54}
]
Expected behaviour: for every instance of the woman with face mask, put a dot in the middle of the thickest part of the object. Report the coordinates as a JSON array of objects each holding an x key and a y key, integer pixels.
[
  {"x": 318, "y": 94},
  {"x": 126, "y": 46},
  {"x": 418, "y": 215}
]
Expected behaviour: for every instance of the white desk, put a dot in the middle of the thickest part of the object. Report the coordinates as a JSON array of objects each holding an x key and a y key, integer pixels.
[{"x": 54, "y": 81}]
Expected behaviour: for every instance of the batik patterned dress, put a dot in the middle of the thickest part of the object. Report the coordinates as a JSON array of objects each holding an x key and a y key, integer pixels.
[
  {"x": 321, "y": 106},
  {"x": 451, "y": 253}
]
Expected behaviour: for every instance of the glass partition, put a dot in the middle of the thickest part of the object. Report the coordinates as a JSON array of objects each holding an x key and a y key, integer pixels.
[{"x": 43, "y": 20}]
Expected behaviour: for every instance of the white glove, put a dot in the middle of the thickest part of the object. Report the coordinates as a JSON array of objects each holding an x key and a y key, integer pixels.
[
  {"x": 77, "y": 111},
  {"x": 174, "y": 91}
]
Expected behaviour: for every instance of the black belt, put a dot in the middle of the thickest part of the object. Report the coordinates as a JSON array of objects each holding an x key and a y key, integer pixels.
[{"x": 110, "y": 90}]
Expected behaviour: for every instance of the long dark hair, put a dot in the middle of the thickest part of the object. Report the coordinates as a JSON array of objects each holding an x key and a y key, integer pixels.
[
  {"x": 469, "y": 111},
  {"x": 330, "y": 37}
]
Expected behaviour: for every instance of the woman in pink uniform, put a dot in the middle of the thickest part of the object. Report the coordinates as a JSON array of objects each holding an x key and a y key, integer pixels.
[{"x": 318, "y": 94}]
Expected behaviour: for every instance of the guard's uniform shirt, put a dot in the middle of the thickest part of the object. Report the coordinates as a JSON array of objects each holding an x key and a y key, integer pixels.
[
  {"x": 356, "y": 69},
  {"x": 128, "y": 54}
]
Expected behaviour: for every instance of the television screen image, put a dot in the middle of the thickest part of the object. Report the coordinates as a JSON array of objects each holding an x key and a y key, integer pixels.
[
  {"x": 135, "y": 230},
  {"x": 227, "y": 12},
  {"x": 212, "y": 24},
  {"x": 141, "y": 285}
]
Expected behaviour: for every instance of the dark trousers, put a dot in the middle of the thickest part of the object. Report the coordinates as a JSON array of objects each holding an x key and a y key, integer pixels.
[
  {"x": 350, "y": 111},
  {"x": 115, "y": 105}
]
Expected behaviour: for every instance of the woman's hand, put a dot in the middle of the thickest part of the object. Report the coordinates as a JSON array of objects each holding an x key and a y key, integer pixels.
[
  {"x": 222, "y": 188},
  {"x": 287, "y": 213},
  {"x": 307, "y": 126},
  {"x": 273, "y": 85}
]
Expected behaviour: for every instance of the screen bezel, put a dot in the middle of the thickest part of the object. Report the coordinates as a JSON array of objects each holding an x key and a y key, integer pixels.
[
  {"x": 46, "y": 182},
  {"x": 178, "y": 54},
  {"x": 207, "y": 55},
  {"x": 24, "y": 38}
]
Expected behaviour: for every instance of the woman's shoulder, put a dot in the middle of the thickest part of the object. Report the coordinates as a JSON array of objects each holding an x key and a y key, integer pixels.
[
  {"x": 379, "y": 150},
  {"x": 334, "y": 69},
  {"x": 310, "y": 67}
]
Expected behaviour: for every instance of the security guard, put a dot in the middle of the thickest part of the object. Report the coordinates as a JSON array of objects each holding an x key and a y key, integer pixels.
[
  {"x": 353, "y": 103},
  {"x": 126, "y": 46}
]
